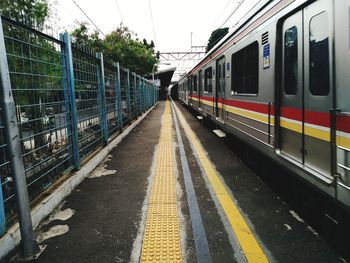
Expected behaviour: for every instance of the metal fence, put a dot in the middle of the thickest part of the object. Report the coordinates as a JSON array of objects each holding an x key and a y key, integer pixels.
[{"x": 69, "y": 102}]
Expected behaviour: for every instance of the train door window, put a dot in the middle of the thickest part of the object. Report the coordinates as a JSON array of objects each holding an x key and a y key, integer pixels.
[
  {"x": 195, "y": 84},
  {"x": 218, "y": 77},
  {"x": 208, "y": 80},
  {"x": 319, "y": 55},
  {"x": 245, "y": 70},
  {"x": 291, "y": 61},
  {"x": 200, "y": 78}
]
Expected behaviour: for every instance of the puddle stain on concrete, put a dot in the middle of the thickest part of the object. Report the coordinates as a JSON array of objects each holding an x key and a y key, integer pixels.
[
  {"x": 101, "y": 169},
  {"x": 288, "y": 227},
  {"x": 62, "y": 215},
  {"x": 54, "y": 231}
]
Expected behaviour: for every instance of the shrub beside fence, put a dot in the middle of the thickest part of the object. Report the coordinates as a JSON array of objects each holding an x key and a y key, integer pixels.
[{"x": 69, "y": 102}]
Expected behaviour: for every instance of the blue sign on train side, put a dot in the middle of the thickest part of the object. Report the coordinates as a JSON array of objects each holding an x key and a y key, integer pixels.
[{"x": 266, "y": 56}]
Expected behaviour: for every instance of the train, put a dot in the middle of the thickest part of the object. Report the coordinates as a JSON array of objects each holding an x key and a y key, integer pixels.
[{"x": 280, "y": 82}]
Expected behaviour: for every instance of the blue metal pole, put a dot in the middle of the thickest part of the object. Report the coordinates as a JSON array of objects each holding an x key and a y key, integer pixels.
[
  {"x": 102, "y": 97},
  {"x": 147, "y": 94},
  {"x": 2, "y": 208},
  {"x": 2, "y": 212},
  {"x": 135, "y": 101},
  {"x": 128, "y": 92},
  {"x": 146, "y": 98},
  {"x": 70, "y": 89},
  {"x": 29, "y": 246},
  {"x": 140, "y": 95},
  {"x": 143, "y": 94},
  {"x": 118, "y": 96}
]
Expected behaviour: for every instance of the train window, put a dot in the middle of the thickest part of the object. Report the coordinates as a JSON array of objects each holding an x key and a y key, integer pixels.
[
  {"x": 200, "y": 81},
  {"x": 245, "y": 70},
  {"x": 319, "y": 55},
  {"x": 291, "y": 61},
  {"x": 194, "y": 84},
  {"x": 208, "y": 80}
]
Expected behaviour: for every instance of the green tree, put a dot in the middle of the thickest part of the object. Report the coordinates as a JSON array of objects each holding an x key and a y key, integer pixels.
[
  {"x": 81, "y": 36},
  {"x": 120, "y": 45},
  {"x": 215, "y": 37},
  {"x": 32, "y": 13}
]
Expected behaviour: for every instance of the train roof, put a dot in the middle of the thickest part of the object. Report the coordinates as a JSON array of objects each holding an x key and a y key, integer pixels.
[{"x": 252, "y": 15}]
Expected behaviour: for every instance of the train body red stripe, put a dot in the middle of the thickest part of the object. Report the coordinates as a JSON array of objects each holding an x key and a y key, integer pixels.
[
  {"x": 311, "y": 117},
  {"x": 343, "y": 123}
]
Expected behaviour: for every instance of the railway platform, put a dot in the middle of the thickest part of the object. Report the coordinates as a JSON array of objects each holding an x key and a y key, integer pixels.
[{"x": 174, "y": 191}]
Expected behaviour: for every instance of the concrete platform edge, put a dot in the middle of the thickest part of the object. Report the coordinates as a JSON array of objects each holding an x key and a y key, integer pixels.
[{"x": 12, "y": 238}]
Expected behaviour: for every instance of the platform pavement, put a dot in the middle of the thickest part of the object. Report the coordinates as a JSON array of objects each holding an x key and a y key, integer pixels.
[{"x": 101, "y": 219}]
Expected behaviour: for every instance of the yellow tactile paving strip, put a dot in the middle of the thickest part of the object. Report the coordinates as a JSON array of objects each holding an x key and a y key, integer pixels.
[
  {"x": 161, "y": 242},
  {"x": 248, "y": 243}
]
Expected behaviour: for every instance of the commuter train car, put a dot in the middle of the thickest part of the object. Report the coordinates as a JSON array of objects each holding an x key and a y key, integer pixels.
[{"x": 280, "y": 82}]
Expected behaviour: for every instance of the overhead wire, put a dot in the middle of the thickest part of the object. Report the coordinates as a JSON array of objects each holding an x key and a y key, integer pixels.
[
  {"x": 234, "y": 11},
  {"x": 89, "y": 18},
  {"x": 119, "y": 11},
  {"x": 227, "y": 18},
  {"x": 248, "y": 11},
  {"x": 223, "y": 10},
  {"x": 154, "y": 32}
]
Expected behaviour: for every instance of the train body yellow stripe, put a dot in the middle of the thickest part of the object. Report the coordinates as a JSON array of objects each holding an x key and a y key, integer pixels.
[{"x": 285, "y": 123}]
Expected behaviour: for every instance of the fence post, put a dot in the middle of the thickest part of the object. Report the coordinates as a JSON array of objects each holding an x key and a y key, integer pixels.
[
  {"x": 140, "y": 95},
  {"x": 69, "y": 87},
  {"x": 2, "y": 211},
  {"x": 102, "y": 95},
  {"x": 143, "y": 94},
  {"x": 148, "y": 95},
  {"x": 29, "y": 246},
  {"x": 118, "y": 96},
  {"x": 146, "y": 99},
  {"x": 128, "y": 93},
  {"x": 135, "y": 102}
]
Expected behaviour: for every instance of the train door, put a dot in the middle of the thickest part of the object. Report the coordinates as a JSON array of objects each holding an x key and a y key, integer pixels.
[
  {"x": 291, "y": 131},
  {"x": 200, "y": 87},
  {"x": 318, "y": 42},
  {"x": 220, "y": 88},
  {"x": 306, "y": 95}
]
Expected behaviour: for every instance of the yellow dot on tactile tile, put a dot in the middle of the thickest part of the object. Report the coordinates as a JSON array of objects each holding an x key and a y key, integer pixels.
[{"x": 162, "y": 239}]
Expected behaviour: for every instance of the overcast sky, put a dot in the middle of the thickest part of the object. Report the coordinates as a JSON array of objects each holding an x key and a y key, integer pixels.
[{"x": 174, "y": 20}]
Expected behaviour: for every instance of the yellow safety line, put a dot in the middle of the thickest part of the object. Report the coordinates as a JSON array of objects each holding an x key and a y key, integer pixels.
[
  {"x": 161, "y": 242},
  {"x": 249, "y": 245}
]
